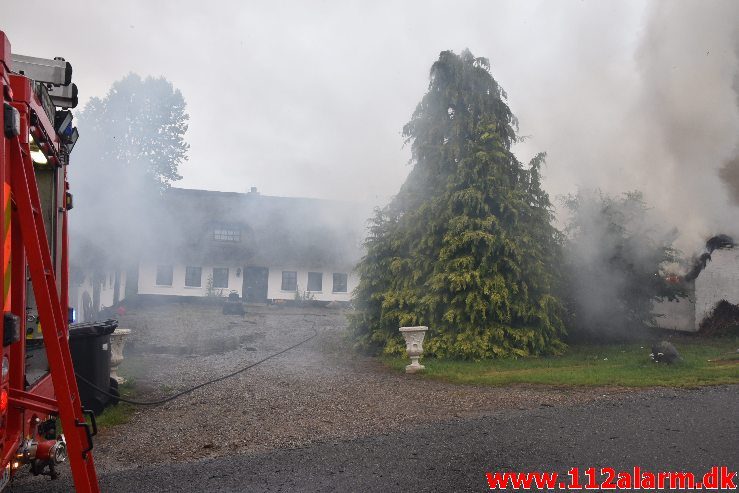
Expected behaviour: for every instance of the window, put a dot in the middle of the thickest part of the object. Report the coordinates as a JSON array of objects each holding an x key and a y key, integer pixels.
[
  {"x": 164, "y": 275},
  {"x": 315, "y": 281},
  {"x": 226, "y": 232},
  {"x": 289, "y": 280},
  {"x": 193, "y": 276},
  {"x": 220, "y": 277},
  {"x": 340, "y": 283}
]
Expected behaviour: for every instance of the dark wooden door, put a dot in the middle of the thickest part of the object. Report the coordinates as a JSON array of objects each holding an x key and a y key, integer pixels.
[{"x": 255, "y": 284}]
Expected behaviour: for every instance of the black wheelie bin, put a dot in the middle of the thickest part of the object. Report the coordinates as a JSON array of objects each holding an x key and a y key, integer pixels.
[{"x": 89, "y": 343}]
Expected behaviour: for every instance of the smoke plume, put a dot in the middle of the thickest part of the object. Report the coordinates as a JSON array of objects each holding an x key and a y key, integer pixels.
[{"x": 688, "y": 115}]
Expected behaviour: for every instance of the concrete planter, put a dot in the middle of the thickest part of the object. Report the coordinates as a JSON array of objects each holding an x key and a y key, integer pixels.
[
  {"x": 117, "y": 341},
  {"x": 414, "y": 346}
]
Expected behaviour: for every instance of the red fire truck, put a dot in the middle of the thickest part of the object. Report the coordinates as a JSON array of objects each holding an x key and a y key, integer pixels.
[{"x": 38, "y": 393}]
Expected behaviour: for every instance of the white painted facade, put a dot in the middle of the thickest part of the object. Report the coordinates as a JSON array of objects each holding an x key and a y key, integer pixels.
[
  {"x": 78, "y": 292},
  {"x": 107, "y": 289},
  {"x": 148, "y": 278},
  {"x": 327, "y": 293},
  {"x": 718, "y": 281},
  {"x": 678, "y": 314},
  {"x": 148, "y": 285}
]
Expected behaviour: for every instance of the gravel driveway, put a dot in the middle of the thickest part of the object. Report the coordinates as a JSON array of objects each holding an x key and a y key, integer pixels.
[{"x": 317, "y": 393}]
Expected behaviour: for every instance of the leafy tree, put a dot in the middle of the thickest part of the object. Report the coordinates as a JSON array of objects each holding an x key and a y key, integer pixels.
[
  {"x": 467, "y": 246},
  {"x": 130, "y": 149},
  {"x": 138, "y": 128},
  {"x": 616, "y": 261}
]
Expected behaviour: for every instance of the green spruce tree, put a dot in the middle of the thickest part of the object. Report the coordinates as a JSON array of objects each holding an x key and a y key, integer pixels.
[{"x": 466, "y": 246}]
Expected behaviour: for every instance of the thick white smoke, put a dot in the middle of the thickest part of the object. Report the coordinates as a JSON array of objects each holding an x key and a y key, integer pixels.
[{"x": 687, "y": 119}]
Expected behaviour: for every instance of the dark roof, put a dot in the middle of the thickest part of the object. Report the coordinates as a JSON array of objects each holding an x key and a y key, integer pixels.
[{"x": 284, "y": 231}]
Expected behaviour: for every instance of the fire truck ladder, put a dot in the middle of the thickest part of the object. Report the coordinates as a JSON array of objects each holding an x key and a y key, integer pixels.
[{"x": 78, "y": 433}]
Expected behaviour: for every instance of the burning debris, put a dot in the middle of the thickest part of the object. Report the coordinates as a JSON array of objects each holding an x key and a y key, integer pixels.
[
  {"x": 714, "y": 243},
  {"x": 724, "y": 320},
  {"x": 664, "y": 352}
]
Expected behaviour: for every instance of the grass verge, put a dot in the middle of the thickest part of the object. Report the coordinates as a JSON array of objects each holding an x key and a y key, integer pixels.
[
  {"x": 120, "y": 413},
  {"x": 704, "y": 362}
]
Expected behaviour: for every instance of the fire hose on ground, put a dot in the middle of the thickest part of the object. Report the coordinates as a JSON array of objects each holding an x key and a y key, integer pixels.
[{"x": 196, "y": 387}]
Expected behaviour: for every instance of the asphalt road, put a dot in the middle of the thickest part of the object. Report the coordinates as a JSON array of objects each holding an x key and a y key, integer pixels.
[{"x": 658, "y": 429}]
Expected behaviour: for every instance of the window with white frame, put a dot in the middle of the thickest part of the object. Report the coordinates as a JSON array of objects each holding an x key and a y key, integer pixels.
[
  {"x": 340, "y": 282},
  {"x": 315, "y": 281},
  {"x": 220, "y": 277},
  {"x": 226, "y": 232},
  {"x": 193, "y": 276},
  {"x": 289, "y": 280},
  {"x": 164, "y": 275}
]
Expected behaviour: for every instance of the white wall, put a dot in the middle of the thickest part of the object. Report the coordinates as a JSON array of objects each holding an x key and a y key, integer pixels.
[
  {"x": 718, "y": 281},
  {"x": 148, "y": 277},
  {"x": 107, "y": 290},
  {"x": 148, "y": 273},
  {"x": 676, "y": 315},
  {"x": 275, "y": 292},
  {"x": 75, "y": 297},
  {"x": 124, "y": 283}
]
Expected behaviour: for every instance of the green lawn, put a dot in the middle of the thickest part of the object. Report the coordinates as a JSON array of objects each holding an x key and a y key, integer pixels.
[
  {"x": 705, "y": 362},
  {"x": 121, "y": 412}
]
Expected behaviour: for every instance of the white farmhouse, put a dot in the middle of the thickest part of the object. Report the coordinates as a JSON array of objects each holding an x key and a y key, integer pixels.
[{"x": 264, "y": 248}]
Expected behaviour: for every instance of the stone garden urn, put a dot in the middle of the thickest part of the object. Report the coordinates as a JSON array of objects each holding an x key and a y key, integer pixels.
[
  {"x": 414, "y": 346},
  {"x": 117, "y": 341}
]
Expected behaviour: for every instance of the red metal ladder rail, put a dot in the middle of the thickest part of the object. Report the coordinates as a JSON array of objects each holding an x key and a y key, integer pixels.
[{"x": 53, "y": 320}]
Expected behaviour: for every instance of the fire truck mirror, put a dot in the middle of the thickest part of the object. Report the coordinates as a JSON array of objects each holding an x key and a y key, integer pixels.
[
  {"x": 12, "y": 120},
  {"x": 11, "y": 329},
  {"x": 64, "y": 96}
]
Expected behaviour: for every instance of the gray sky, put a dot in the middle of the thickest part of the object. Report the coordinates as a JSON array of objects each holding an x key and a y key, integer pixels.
[{"x": 309, "y": 98}]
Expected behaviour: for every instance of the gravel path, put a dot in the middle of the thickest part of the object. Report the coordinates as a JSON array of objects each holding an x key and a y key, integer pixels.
[
  {"x": 319, "y": 392},
  {"x": 658, "y": 430}
]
